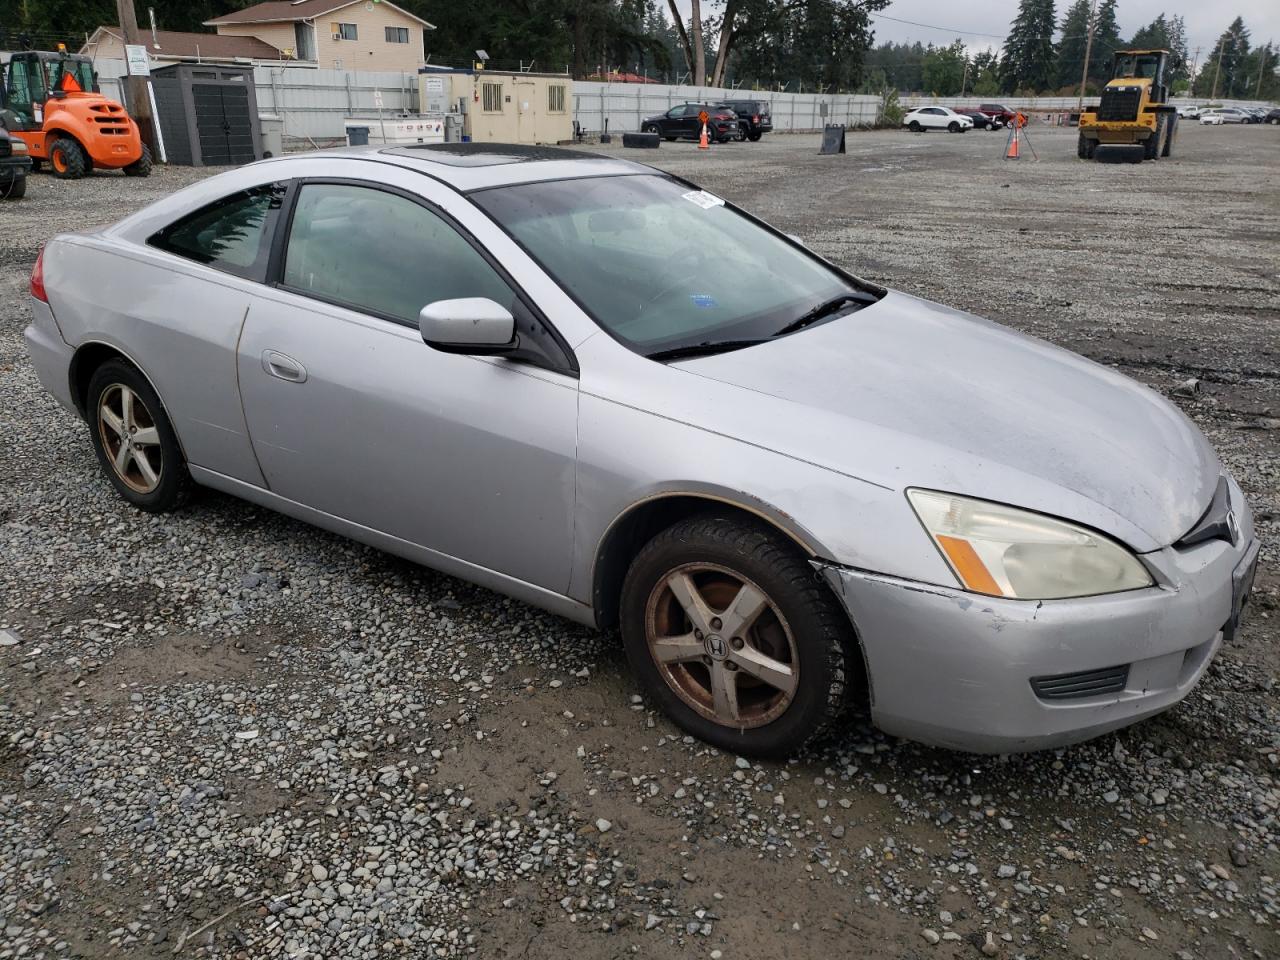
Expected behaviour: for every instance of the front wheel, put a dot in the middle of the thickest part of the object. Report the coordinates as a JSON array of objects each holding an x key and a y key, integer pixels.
[
  {"x": 1085, "y": 147},
  {"x": 914, "y": 127},
  {"x": 755, "y": 137},
  {"x": 15, "y": 189},
  {"x": 68, "y": 159},
  {"x": 728, "y": 631},
  {"x": 649, "y": 128},
  {"x": 134, "y": 440},
  {"x": 953, "y": 127}
]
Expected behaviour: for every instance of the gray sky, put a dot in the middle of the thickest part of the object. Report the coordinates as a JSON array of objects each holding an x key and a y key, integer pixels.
[{"x": 1205, "y": 21}]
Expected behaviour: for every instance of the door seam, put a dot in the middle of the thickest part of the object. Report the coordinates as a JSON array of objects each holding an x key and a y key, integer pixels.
[{"x": 244, "y": 415}]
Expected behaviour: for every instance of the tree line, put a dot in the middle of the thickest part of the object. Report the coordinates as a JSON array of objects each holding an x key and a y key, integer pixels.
[{"x": 823, "y": 45}]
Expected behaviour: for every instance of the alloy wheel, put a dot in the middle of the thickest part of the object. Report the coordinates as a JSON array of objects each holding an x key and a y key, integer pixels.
[
  {"x": 130, "y": 438},
  {"x": 722, "y": 645}
]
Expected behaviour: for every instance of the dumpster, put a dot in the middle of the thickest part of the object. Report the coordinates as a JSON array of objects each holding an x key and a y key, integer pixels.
[{"x": 357, "y": 136}]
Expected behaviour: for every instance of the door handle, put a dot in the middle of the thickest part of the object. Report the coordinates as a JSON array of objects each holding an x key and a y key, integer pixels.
[{"x": 285, "y": 367}]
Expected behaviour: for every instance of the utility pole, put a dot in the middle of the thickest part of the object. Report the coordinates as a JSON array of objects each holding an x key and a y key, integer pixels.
[
  {"x": 1195, "y": 60},
  {"x": 1257, "y": 89},
  {"x": 1213, "y": 94},
  {"x": 139, "y": 101},
  {"x": 1088, "y": 47}
]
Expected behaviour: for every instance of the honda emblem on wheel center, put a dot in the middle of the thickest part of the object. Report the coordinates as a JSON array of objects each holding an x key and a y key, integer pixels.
[{"x": 717, "y": 649}]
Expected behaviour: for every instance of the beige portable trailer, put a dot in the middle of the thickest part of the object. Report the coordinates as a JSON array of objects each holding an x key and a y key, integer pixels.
[{"x": 502, "y": 107}]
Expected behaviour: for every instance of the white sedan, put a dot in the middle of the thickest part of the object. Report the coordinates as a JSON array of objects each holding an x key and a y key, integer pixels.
[
  {"x": 936, "y": 118},
  {"x": 1212, "y": 117}
]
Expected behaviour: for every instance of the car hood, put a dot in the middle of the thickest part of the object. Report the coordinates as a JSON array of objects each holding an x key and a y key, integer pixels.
[{"x": 908, "y": 393}]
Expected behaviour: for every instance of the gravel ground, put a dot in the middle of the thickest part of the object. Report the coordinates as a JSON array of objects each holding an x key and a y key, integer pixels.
[{"x": 224, "y": 733}]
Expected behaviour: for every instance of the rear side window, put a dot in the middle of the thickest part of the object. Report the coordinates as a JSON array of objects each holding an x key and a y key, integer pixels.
[
  {"x": 382, "y": 253},
  {"x": 233, "y": 234}
]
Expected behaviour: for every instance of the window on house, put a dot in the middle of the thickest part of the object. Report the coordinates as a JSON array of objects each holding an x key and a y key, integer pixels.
[
  {"x": 555, "y": 98},
  {"x": 491, "y": 97},
  {"x": 397, "y": 34},
  {"x": 345, "y": 31}
]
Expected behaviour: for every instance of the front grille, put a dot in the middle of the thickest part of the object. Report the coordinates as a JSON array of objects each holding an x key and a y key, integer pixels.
[
  {"x": 6, "y": 147},
  {"x": 1087, "y": 683},
  {"x": 1120, "y": 103}
]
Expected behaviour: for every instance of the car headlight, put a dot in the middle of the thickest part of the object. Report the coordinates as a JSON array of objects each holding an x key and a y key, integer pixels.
[
  {"x": 19, "y": 147},
  {"x": 1006, "y": 552}
]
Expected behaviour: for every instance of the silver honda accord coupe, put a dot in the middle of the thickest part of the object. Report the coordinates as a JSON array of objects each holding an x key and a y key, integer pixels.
[{"x": 597, "y": 388}]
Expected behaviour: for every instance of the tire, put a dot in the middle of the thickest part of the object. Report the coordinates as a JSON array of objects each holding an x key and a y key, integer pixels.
[
  {"x": 755, "y": 137},
  {"x": 163, "y": 484},
  {"x": 67, "y": 159},
  {"x": 744, "y": 131},
  {"x": 1151, "y": 146},
  {"x": 914, "y": 127},
  {"x": 15, "y": 189},
  {"x": 1085, "y": 147},
  {"x": 650, "y": 128},
  {"x": 953, "y": 127},
  {"x": 142, "y": 166},
  {"x": 1172, "y": 136},
  {"x": 799, "y": 627}
]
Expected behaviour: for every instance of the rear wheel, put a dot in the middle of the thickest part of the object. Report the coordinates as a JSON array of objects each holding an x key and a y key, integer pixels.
[
  {"x": 727, "y": 629},
  {"x": 953, "y": 127},
  {"x": 142, "y": 166},
  {"x": 753, "y": 137},
  {"x": 68, "y": 160},
  {"x": 134, "y": 440}
]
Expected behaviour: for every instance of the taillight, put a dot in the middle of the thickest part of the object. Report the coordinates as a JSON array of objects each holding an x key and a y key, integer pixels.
[
  {"x": 755, "y": 118},
  {"x": 37, "y": 279}
]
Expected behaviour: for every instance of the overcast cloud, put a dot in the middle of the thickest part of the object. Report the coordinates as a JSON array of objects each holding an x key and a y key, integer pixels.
[{"x": 983, "y": 23}]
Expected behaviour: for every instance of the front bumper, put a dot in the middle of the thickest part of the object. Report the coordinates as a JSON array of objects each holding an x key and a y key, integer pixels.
[
  {"x": 14, "y": 168},
  {"x": 955, "y": 669}
]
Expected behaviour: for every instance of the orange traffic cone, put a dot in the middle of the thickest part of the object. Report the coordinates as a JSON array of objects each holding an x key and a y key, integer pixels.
[
  {"x": 1012, "y": 152},
  {"x": 702, "y": 140}
]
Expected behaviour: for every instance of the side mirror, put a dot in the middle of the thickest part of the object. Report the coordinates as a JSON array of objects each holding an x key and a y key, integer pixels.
[{"x": 474, "y": 325}]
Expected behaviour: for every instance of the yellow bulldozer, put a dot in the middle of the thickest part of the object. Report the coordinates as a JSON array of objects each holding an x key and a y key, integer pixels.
[{"x": 1134, "y": 115}]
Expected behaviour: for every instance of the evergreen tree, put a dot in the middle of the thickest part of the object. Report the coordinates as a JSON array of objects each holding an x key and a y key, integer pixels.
[
  {"x": 1027, "y": 61},
  {"x": 945, "y": 69},
  {"x": 1227, "y": 63},
  {"x": 1106, "y": 41},
  {"x": 1075, "y": 35},
  {"x": 1165, "y": 34}
]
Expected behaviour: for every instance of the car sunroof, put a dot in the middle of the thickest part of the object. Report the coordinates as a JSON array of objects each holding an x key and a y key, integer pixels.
[{"x": 486, "y": 154}]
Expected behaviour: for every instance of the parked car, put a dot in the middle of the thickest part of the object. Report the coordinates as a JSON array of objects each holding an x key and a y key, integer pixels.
[
  {"x": 923, "y": 119},
  {"x": 1002, "y": 113},
  {"x": 681, "y": 122},
  {"x": 1232, "y": 115},
  {"x": 1212, "y": 118},
  {"x": 1189, "y": 111},
  {"x": 755, "y": 118},
  {"x": 594, "y": 387},
  {"x": 15, "y": 164},
  {"x": 1255, "y": 114},
  {"x": 980, "y": 119},
  {"x": 1273, "y": 116}
]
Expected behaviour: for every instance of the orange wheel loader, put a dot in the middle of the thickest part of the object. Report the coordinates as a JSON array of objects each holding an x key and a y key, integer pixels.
[{"x": 52, "y": 101}]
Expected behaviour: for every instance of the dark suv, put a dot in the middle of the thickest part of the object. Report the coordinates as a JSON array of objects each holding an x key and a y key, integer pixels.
[
  {"x": 15, "y": 164},
  {"x": 681, "y": 122},
  {"x": 754, "y": 118}
]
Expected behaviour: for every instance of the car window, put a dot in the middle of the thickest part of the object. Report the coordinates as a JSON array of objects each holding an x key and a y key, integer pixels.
[
  {"x": 232, "y": 234},
  {"x": 382, "y": 253},
  {"x": 675, "y": 112}
]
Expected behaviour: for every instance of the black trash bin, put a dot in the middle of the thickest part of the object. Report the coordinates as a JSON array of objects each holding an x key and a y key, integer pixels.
[{"x": 357, "y": 136}]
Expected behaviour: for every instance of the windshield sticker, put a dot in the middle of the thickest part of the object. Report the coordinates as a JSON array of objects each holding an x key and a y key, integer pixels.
[
  {"x": 703, "y": 199},
  {"x": 703, "y": 300}
]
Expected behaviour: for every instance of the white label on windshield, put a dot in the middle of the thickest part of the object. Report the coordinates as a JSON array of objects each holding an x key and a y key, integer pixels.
[{"x": 703, "y": 199}]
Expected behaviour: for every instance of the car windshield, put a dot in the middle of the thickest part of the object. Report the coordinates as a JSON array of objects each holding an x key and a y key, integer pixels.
[{"x": 662, "y": 266}]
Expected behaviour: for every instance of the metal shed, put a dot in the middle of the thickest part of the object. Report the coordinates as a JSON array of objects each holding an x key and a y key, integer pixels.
[
  {"x": 501, "y": 107},
  {"x": 208, "y": 114}
]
